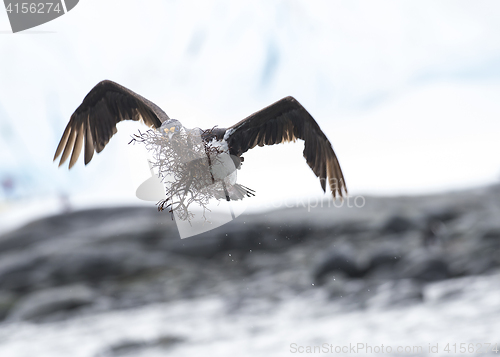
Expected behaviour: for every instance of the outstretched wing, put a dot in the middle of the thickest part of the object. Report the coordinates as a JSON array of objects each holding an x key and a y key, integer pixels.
[
  {"x": 287, "y": 120},
  {"x": 94, "y": 121}
]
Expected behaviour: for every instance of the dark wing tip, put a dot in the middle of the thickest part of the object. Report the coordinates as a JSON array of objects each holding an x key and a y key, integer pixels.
[
  {"x": 77, "y": 146},
  {"x": 336, "y": 179},
  {"x": 62, "y": 142}
]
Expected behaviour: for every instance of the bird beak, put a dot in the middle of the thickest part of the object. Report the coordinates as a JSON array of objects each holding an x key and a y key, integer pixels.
[{"x": 169, "y": 132}]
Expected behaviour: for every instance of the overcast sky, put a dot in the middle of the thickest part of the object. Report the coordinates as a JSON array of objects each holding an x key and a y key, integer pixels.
[{"x": 407, "y": 92}]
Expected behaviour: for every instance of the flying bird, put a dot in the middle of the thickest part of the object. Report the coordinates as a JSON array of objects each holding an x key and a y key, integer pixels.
[{"x": 93, "y": 124}]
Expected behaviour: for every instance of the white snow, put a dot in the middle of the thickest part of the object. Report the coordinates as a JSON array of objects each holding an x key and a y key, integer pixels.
[{"x": 265, "y": 328}]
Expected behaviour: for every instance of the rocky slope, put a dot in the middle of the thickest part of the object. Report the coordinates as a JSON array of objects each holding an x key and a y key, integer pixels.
[{"x": 383, "y": 254}]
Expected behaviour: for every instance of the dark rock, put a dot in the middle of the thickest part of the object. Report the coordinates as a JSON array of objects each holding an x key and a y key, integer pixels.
[
  {"x": 477, "y": 261},
  {"x": 382, "y": 263},
  {"x": 265, "y": 237},
  {"x": 7, "y": 301},
  {"x": 398, "y": 224},
  {"x": 341, "y": 261},
  {"x": 27, "y": 271},
  {"x": 275, "y": 241},
  {"x": 443, "y": 215},
  {"x": 234, "y": 237},
  {"x": 434, "y": 233},
  {"x": 52, "y": 227},
  {"x": 125, "y": 348},
  {"x": 46, "y": 302},
  {"x": 19, "y": 271},
  {"x": 132, "y": 347},
  {"x": 424, "y": 267},
  {"x": 98, "y": 263},
  {"x": 351, "y": 227},
  {"x": 204, "y": 245},
  {"x": 492, "y": 236}
]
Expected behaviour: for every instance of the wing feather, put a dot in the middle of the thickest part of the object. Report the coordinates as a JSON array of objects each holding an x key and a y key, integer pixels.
[
  {"x": 69, "y": 146},
  {"x": 284, "y": 121},
  {"x": 77, "y": 148},
  {"x": 89, "y": 142},
  {"x": 63, "y": 141},
  {"x": 94, "y": 122}
]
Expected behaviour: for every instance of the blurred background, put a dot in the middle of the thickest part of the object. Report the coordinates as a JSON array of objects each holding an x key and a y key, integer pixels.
[{"x": 405, "y": 91}]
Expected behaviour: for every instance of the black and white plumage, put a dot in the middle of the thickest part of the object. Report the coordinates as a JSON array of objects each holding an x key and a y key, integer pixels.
[{"x": 94, "y": 122}]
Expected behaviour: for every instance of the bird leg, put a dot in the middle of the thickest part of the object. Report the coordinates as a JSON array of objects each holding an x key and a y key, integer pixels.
[{"x": 228, "y": 199}]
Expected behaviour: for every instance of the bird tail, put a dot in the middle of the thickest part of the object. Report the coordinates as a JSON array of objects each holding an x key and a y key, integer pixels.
[
  {"x": 244, "y": 191},
  {"x": 236, "y": 192}
]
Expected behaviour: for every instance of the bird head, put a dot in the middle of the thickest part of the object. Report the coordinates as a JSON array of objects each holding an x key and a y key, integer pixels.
[{"x": 170, "y": 127}]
